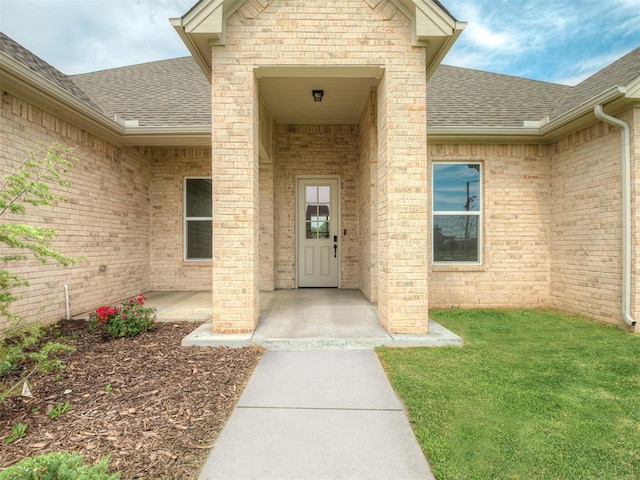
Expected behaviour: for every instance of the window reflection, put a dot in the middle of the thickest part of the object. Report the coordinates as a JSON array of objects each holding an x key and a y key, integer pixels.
[
  {"x": 317, "y": 218},
  {"x": 455, "y": 238},
  {"x": 456, "y": 187},
  {"x": 198, "y": 218},
  {"x": 457, "y": 205}
]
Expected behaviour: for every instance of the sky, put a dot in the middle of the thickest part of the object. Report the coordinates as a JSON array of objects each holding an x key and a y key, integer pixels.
[{"x": 559, "y": 41}]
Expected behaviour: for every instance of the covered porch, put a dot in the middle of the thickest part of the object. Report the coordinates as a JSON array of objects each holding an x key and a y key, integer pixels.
[
  {"x": 319, "y": 170},
  {"x": 301, "y": 319}
]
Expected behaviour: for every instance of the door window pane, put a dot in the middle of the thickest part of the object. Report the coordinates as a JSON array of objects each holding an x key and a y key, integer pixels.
[
  {"x": 324, "y": 194},
  {"x": 317, "y": 210}
]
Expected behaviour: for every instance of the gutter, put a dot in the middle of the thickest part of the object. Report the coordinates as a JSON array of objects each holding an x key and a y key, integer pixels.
[
  {"x": 60, "y": 96},
  {"x": 531, "y": 131},
  {"x": 584, "y": 108},
  {"x": 626, "y": 211},
  {"x": 33, "y": 87}
]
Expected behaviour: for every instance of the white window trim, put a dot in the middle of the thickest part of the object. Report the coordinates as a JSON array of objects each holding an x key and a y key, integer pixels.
[
  {"x": 188, "y": 219},
  {"x": 477, "y": 213}
]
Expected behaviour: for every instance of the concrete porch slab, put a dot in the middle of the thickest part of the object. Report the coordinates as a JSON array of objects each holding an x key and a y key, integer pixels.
[
  {"x": 319, "y": 319},
  {"x": 438, "y": 336}
]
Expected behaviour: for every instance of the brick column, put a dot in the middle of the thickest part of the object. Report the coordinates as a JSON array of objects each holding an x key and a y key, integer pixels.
[
  {"x": 235, "y": 196},
  {"x": 403, "y": 211}
]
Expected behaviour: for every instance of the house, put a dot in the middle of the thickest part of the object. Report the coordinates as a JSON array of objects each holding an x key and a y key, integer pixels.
[{"x": 322, "y": 144}]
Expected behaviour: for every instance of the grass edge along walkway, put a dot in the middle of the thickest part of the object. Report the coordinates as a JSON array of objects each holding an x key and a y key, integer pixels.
[{"x": 533, "y": 394}]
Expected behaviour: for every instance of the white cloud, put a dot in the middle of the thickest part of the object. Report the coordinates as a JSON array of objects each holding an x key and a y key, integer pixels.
[
  {"x": 553, "y": 40},
  {"x": 588, "y": 67},
  {"x": 85, "y": 35}
]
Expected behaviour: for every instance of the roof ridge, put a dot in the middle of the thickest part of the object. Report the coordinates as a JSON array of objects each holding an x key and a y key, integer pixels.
[
  {"x": 619, "y": 73},
  {"x": 504, "y": 75},
  {"x": 134, "y": 65}
]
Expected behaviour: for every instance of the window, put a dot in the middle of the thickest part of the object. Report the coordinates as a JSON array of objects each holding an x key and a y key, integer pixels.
[
  {"x": 197, "y": 219},
  {"x": 317, "y": 199},
  {"x": 457, "y": 212}
]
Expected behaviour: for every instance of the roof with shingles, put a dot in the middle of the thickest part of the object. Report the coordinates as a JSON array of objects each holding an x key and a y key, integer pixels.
[
  {"x": 464, "y": 97},
  {"x": 163, "y": 93},
  {"x": 620, "y": 73},
  {"x": 176, "y": 93},
  {"x": 20, "y": 54}
]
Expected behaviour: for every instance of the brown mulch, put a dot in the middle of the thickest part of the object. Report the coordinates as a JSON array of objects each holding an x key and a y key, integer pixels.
[{"x": 153, "y": 406}]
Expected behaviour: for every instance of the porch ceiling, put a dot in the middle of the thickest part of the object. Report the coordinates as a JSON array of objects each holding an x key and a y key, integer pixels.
[{"x": 287, "y": 93}]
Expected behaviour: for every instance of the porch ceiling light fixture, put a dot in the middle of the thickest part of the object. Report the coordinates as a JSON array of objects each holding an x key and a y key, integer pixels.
[{"x": 317, "y": 95}]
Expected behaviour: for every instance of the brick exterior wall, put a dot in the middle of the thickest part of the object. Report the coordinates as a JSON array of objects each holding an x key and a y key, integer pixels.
[
  {"x": 169, "y": 167},
  {"x": 305, "y": 32},
  {"x": 267, "y": 228},
  {"x": 516, "y": 206},
  {"x": 368, "y": 203},
  {"x": 551, "y": 213},
  {"x": 105, "y": 220},
  {"x": 586, "y": 223},
  {"x": 315, "y": 150}
]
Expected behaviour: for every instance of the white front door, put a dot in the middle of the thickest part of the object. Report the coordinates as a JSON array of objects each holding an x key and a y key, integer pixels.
[{"x": 318, "y": 232}]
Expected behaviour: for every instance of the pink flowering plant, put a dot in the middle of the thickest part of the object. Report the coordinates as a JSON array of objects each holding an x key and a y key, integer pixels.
[{"x": 126, "y": 320}]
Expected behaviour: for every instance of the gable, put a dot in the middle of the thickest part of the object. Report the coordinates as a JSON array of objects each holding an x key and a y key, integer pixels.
[{"x": 432, "y": 26}]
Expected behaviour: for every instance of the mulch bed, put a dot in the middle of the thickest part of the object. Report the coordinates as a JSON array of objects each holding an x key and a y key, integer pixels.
[{"x": 153, "y": 406}]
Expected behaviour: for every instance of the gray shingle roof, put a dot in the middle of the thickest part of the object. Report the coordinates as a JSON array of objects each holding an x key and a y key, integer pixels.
[
  {"x": 176, "y": 93},
  {"x": 164, "y": 93},
  {"x": 621, "y": 72},
  {"x": 20, "y": 54},
  {"x": 463, "y": 97}
]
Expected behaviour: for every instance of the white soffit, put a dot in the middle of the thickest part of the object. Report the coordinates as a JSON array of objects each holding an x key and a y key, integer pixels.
[{"x": 287, "y": 92}]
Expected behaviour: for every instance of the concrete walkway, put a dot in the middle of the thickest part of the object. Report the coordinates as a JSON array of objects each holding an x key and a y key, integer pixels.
[{"x": 317, "y": 415}]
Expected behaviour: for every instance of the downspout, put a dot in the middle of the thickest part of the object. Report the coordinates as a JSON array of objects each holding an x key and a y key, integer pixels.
[{"x": 626, "y": 212}]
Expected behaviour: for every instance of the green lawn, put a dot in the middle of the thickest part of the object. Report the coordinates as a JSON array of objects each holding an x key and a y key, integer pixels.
[{"x": 533, "y": 394}]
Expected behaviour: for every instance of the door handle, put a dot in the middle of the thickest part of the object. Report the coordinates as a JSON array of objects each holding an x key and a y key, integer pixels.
[{"x": 335, "y": 250}]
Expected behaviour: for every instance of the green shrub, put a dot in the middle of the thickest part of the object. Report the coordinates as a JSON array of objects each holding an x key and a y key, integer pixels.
[
  {"x": 126, "y": 320},
  {"x": 58, "y": 466},
  {"x": 26, "y": 350},
  {"x": 26, "y": 346},
  {"x": 18, "y": 431}
]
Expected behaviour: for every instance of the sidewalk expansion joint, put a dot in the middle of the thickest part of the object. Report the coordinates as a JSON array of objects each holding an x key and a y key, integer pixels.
[{"x": 341, "y": 409}]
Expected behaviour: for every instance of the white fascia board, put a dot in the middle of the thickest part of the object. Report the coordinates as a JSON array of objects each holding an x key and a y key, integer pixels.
[
  {"x": 33, "y": 87},
  {"x": 434, "y": 58},
  {"x": 633, "y": 89},
  {"x": 545, "y": 132},
  {"x": 206, "y": 17},
  {"x": 38, "y": 89},
  {"x": 464, "y": 134},
  {"x": 193, "y": 136},
  {"x": 583, "y": 109},
  {"x": 203, "y": 62},
  {"x": 205, "y": 26}
]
